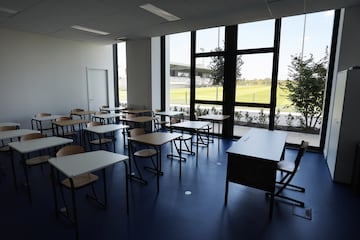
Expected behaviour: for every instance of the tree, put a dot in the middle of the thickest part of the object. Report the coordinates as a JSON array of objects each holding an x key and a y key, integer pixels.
[
  {"x": 306, "y": 87},
  {"x": 217, "y": 68}
]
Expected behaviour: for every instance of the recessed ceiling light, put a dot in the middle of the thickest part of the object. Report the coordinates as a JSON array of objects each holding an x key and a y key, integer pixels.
[
  {"x": 159, "y": 12},
  {"x": 120, "y": 38},
  {"x": 8, "y": 10},
  {"x": 81, "y": 28}
]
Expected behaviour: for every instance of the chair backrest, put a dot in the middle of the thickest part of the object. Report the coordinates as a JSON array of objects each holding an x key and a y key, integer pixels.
[
  {"x": 136, "y": 131},
  {"x": 42, "y": 114},
  {"x": 177, "y": 118},
  {"x": 91, "y": 124},
  {"x": 31, "y": 136},
  {"x": 63, "y": 118},
  {"x": 76, "y": 110},
  {"x": 302, "y": 149},
  {"x": 69, "y": 150},
  {"x": 130, "y": 115},
  {"x": 7, "y": 128}
]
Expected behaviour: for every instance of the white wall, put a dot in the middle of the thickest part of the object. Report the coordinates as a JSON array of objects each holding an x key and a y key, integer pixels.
[
  {"x": 138, "y": 61},
  {"x": 156, "y": 73},
  {"x": 350, "y": 50},
  {"x": 44, "y": 74}
]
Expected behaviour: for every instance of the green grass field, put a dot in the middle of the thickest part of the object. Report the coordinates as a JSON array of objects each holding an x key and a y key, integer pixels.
[
  {"x": 251, "y": 93},
  {"x": 254, "y": 94}
]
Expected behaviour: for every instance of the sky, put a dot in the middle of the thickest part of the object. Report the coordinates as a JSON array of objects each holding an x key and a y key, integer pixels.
[{"x": 317, "y": 35}]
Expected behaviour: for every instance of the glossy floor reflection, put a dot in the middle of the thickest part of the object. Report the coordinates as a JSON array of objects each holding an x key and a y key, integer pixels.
[{"x": 188, "y": 208}]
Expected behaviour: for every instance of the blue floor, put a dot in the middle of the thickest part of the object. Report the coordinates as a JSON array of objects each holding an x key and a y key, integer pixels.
[{"x": 171, "y": 214}]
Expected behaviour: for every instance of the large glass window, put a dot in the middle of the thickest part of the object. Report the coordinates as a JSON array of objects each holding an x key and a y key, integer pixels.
[
  {"x": 253, "y": 84},
  {"x": 210, "y": 39},
  {"x": 209, "y": 77},
  {"x": 305, "y": 43},
  {"x": 179, "y": 54},
  {"x": 256, "y": 35},
  {"x": 122, "y": 76}
]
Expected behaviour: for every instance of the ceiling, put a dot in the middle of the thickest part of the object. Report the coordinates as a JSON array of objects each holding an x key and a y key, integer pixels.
[{"x": 126, "y": 20}]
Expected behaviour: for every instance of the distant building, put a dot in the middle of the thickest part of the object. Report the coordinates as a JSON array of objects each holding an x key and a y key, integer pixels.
[{"x": 180, "y": 75}]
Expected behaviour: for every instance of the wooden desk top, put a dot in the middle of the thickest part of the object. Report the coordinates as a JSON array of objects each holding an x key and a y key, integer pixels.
[
  {"x": 136, "y": 111},
  {"x": 108, "y": 115},
  {"x": 77, "y": 164},
  {"x": 169, "y": 113},
  {"x": 214, "y": 117},
  {"x": 105, "y": 128},
  {"x": 47, "y": 118},
  {"x": 70, "y": 122},
  {"x": 82, "y": 113},
  {"x": 16, "y": 133},
  {"x": 141, "y": 119},
  {"x": 155, "y": 138},
  {"x": 38, "y": 144},
  {"x": 113, "y": 109},
  {"x": 260, "y": 144},
  {"x": 195, "y": 125},
  {"x": 9, "y": 124}
]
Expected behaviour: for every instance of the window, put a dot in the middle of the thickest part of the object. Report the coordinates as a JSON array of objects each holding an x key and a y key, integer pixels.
[
  {"x": 179, "y": 47},
  {"x": 122, "y": 76}
]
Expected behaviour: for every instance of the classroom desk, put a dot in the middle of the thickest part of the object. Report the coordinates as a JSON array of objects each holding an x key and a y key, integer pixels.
[
  {"x": 68, "y": 123},
  {"x": 252, "y": 160},
  {"x": 15, "y": 133},
  {"x": 101, "y": 130},
  {"x": 155, "y": 139},
  {"x": 77, "y": 164},
  {"x": 139, "y": 121},
  {"x": 112, "y": 109},
  {"x": 26, "y": 147},
  {"x": 2, "y": 124},
  {"x": 136, "y": 111},
  {"x": 215, "y": 118},
  {"x": 196, "y": 126},
  {"x": 169, "y": 114},
  {"x": 38, "y": 121},
  {"x": 107, "y": 117},
  {"x": 82, "y": 114}
]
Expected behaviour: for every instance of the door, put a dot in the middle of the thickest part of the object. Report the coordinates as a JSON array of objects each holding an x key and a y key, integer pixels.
[{"x": 97, "y": 88}]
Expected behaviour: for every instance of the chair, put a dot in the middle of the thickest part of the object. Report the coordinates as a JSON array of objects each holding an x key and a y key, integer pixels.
[
  {"x": 204, "y": 133},
  {"x": 158, "y": 123},
  {"x": 288, "y": 169},
  {"x": 131, "y": 125},
  {"x": 79, "y": 181},
  {"x": 68, "y": 131},
  {"x": 138, "y": 152},
  {"x": 38, "y": 160},
  {"x": 39, "y": 125},
  {"x": 102, "y": 109},
  {"x": 97, "y": 119},
  {"x": 98, "y": 141},
  {"x": 4, "y": 148}
]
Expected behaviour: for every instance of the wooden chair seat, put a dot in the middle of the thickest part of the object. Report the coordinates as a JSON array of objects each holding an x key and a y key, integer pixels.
[
  {"x": 5, "y": 149},
  {"x": 37, "y": 160},
  {"x": 144, "y": 153},
  {"x": 185, "y": 137},
  {"x": 103, "y": 141},
  {"x": 80, "y": 181}
]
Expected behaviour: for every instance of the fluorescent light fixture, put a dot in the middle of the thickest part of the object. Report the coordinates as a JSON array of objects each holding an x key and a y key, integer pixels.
[
  {"x": 81, "y": 28},
  {"x": 159, "y": 12},
  {"x": 8, "y": 10}
]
